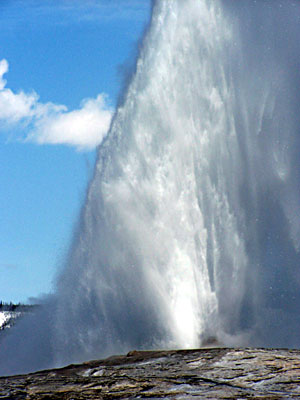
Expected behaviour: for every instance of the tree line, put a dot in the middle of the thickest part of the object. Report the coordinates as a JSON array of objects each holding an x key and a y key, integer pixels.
[{"x": 16, "y": 307}]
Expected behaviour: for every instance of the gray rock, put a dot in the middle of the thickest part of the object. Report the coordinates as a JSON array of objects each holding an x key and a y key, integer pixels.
[{"x": 217, "y": 373}]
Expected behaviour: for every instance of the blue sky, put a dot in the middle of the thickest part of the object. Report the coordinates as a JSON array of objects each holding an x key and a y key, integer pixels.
[{"x": 62, "y": 66}]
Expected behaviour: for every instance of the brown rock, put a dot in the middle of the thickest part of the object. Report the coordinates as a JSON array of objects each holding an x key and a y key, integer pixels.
[{"x": 217, "y": 373}]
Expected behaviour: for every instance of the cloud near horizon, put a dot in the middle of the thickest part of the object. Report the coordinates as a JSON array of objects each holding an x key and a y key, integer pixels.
[{"x": 49, "y": 123}]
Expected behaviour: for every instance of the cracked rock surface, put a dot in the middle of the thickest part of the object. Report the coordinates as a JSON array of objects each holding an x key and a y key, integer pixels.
[{"x": 218, "y": 373}]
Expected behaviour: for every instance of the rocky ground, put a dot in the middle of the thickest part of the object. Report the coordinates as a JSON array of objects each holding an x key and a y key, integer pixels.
[{"x": 218, "y": 373}]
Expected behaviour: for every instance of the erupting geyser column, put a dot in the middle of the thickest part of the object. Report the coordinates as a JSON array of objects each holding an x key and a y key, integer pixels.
[
  {"x": 161, "y": 239},
  {"x": 190, "y": 195},
  {"x": 191, "y": 223}
]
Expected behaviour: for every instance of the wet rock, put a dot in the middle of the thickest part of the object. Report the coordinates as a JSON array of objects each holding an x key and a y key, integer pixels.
[{"x": 218, "y": 373}]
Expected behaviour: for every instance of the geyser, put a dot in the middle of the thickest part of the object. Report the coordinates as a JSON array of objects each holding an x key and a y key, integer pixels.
[{"x": 190, "y": 227}]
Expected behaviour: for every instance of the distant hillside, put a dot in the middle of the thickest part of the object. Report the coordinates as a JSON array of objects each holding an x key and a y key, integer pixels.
[{"x": 10, "y": 313}]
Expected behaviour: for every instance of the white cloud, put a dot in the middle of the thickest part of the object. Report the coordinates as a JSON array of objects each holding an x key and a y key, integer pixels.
[
  {"x": 83, "y": 128},
  {"x": 13, "y": 107},
  {"x": 50, "y": 123},
  {"x": 3, "y": 70},
  {"x": 73, "y": 11}
]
